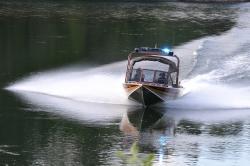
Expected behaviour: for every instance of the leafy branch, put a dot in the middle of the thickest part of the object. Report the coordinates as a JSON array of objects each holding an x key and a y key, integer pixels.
[{"x": 133, "y": 157}]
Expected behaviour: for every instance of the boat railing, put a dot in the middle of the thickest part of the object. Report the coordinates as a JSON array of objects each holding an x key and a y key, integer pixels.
[
  {"x": 150, "y": 76},
  {"x": 149, "y": 55}
]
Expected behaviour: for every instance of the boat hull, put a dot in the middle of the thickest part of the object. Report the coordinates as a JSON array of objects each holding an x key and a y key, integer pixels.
[{"x": 149, "y": 95}]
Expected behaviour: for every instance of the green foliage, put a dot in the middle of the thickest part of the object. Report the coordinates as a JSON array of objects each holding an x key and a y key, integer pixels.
[{"x": 133, "y": 157}]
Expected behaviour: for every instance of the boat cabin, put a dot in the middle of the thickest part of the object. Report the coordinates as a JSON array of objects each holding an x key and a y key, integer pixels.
[{"x": 152, "y": 67}]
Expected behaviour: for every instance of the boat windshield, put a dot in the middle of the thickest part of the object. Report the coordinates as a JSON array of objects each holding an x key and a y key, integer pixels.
[{"x": 152, "y": 76}]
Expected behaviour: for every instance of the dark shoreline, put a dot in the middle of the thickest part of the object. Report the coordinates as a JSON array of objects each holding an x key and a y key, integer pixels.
[
  {"x": 139, "y": 1},
  {"x": 191, "y": 1},
  {"x": 213, "y": 1}
]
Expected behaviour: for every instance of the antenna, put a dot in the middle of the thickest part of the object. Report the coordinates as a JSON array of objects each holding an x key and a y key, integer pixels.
[{"x": 155, "y": 45}]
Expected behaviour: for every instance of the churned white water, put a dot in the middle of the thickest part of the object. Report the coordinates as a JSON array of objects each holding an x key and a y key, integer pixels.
[{"x": 215, "y": 72}]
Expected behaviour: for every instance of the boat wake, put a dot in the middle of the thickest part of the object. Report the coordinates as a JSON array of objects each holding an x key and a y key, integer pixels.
[
  {"x": 206, "y": 95},
  {"x": 216, "y": 71},
  {"x": 98, "y": 85},
  {"x": 220, "y": 79}
]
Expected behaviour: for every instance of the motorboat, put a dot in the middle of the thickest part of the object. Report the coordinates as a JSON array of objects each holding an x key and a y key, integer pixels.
[{"x": 152, "y": 76}]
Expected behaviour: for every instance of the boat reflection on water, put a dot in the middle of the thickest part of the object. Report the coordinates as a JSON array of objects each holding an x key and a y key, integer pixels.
[
  {"x": 152, "y": 128},
  {"x": 177, "y": 122},
  {"x": 149, "y": 120},
  {"x": 149, "y": 126},
  {"x": 174, "y": 138}
]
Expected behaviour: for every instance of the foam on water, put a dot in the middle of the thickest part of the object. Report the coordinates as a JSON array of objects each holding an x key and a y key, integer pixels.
[
  {"x": 92, "y": 85},
  {"x": 87, "y": 112},
  {"x": 203, "y": 94},
  {"x": 99, "y": 85},
  {"x": 216, "y": 69},
  {"x": 221, "y": 76}
]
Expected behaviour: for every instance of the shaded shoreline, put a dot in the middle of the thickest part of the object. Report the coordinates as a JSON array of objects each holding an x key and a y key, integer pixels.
[
  {"x": 145, "y": 1},
  {"x": 191, "y": 1},
  {"x": 214, "y": 1}
]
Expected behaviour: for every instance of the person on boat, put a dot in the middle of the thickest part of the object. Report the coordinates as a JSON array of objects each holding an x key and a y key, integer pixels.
[
  {"x": 162, "y": 79},
  {"x": 138, "y": 75}
]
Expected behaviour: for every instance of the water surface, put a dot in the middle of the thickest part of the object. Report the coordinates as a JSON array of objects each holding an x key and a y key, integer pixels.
[{"x": 61, "y": 73}]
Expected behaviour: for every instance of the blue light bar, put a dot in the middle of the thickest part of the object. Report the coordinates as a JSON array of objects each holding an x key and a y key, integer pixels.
[
  {"x": 158, "y": 51},
  {"x": 166, "y": 50}
]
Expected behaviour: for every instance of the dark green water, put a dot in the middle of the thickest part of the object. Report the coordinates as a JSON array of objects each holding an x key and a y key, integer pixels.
[{"x": 40, "y": 129}]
